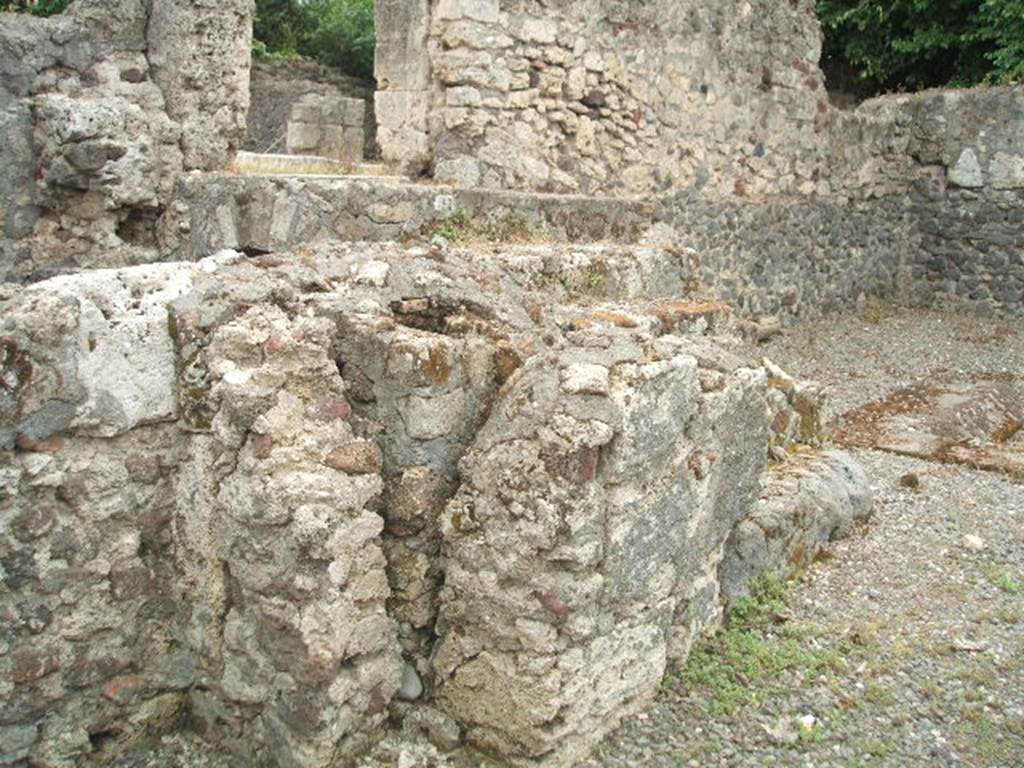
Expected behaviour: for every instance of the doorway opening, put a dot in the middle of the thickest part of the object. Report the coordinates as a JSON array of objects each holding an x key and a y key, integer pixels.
[{"x": 312, "y": 82}]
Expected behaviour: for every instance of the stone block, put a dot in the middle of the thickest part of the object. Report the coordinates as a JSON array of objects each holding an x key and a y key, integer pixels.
[
  {"x": 583, "y": 471},
  {"x": 478, "y": 10},
  {"x": 107, "y": 364},
  {"x": 353, "y": 113},
  {"x": 1006, "y": 171},
  {"x": 307, "y": 110},
  {"x": 303, "y": 138},
  {"x": 967, "y": 171},
  {"x": 402, "y": 127},
  {"x": 401, "y": 60}
]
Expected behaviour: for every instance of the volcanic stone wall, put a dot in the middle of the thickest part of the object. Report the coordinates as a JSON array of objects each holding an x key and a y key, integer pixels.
[
  {"x": 604, "y": 95},
  {"x": 269, "y": 491},
  {"x": 259, "y": 496},
  {"x": 714, "y": 104},
  {"x": 102, "y": 107},
  {"x": 968, "y": 202}
]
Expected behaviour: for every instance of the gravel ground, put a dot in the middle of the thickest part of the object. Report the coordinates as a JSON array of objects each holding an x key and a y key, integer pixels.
[{"x": 905, "y": 646}]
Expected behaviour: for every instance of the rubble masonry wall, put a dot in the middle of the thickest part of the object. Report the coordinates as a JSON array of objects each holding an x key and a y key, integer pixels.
[{"x": 102, "y": 108}]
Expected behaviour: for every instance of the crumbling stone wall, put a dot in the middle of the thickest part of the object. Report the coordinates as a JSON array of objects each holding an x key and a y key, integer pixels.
[
  {"x": 333, "y": 127},
  {"x": 269, "y": 496},
  {"x": 93, "y": 606},
  {"x": 101, "y": 108},
  {"x": 968, "y": 197},
  {"x": 270, "y": 493},
  {"x": 789, "y": 258}
]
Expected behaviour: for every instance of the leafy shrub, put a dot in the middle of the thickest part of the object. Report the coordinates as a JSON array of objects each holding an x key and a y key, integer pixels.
[
  {"x": 261, "y": 52},
  {"x": 281, "y": 25},
  {"x": 344, "y": 35},
  {"x": 912, "y": 44},
  {"x": 338, "y": 33},
  {"x": 36, "y": 7},
  {"x": 1004, "y": 25}
]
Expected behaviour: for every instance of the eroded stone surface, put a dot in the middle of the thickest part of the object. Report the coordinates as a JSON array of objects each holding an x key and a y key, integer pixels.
[
  {"x": 102, "y": 108},
  {"x": 806, "y": 501},
  {"x": 966, "y": 421},
  {"x": 362, "y": 474},
  {"x": 491, "y": 491},
  {"x": 584, "y": 526}
]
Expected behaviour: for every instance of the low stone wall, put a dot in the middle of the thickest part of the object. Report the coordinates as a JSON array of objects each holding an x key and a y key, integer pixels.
[
  {"x": 269, "y": 496},
  {"x": 972, "y": 249},
  {"x": 795, "y": 258},
  {"x": 791, "y": 258},
  {"x": 968, "y": 197},
  {"x": 265, "y": 214}
]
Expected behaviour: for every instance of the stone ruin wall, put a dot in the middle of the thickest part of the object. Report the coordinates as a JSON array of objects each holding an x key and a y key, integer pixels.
[
  {"x": 967, "y": 196},
  {"x": 605, "y": 96},
  {"x": 710, "y": 107},
  {"x": 860, "y": 201},
  {"x": 259, "y": 496},
  {"x": 276, "y": 86},
  {"x": 102, "y": 109},
  {"x": 269, "y": 494}
]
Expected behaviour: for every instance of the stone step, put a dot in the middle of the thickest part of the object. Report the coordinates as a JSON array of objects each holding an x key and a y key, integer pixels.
[
  {"x": 255, "y": 209},
  {"x": 269, "y": 164}
]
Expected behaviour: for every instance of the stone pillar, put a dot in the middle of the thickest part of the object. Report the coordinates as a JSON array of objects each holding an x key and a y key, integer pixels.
[
  {"x": 402, "y": 68},
  {"x": 201, "y": 52}
]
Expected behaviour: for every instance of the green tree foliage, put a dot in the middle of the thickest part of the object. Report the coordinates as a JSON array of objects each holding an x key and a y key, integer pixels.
[
  {"x": 281, "y": 25},
  {"x": 339, "y": 33},
  {"x": 1004, "y": 25},
  {"x": 344, "y": 34},
  {"x": 37, "y": 7},
  {"x": 912, "y": 44}
]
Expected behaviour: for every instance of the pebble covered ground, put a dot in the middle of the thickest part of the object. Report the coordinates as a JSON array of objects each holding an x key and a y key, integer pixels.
[{"x": 904, "y": 646}]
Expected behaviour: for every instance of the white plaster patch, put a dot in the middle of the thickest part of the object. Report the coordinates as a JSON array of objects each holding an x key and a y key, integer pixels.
[{"x": 967, "y": 171}]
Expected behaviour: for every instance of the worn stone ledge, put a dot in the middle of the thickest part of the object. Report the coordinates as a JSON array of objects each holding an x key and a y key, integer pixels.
[{"x": 278, "y": 213}]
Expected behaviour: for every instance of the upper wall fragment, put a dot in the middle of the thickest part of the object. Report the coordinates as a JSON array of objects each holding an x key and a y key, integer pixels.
[{"x": 102, "y": 107}]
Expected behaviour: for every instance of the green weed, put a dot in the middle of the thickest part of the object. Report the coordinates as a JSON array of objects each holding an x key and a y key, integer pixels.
[{"x": 742, "y": 665}]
